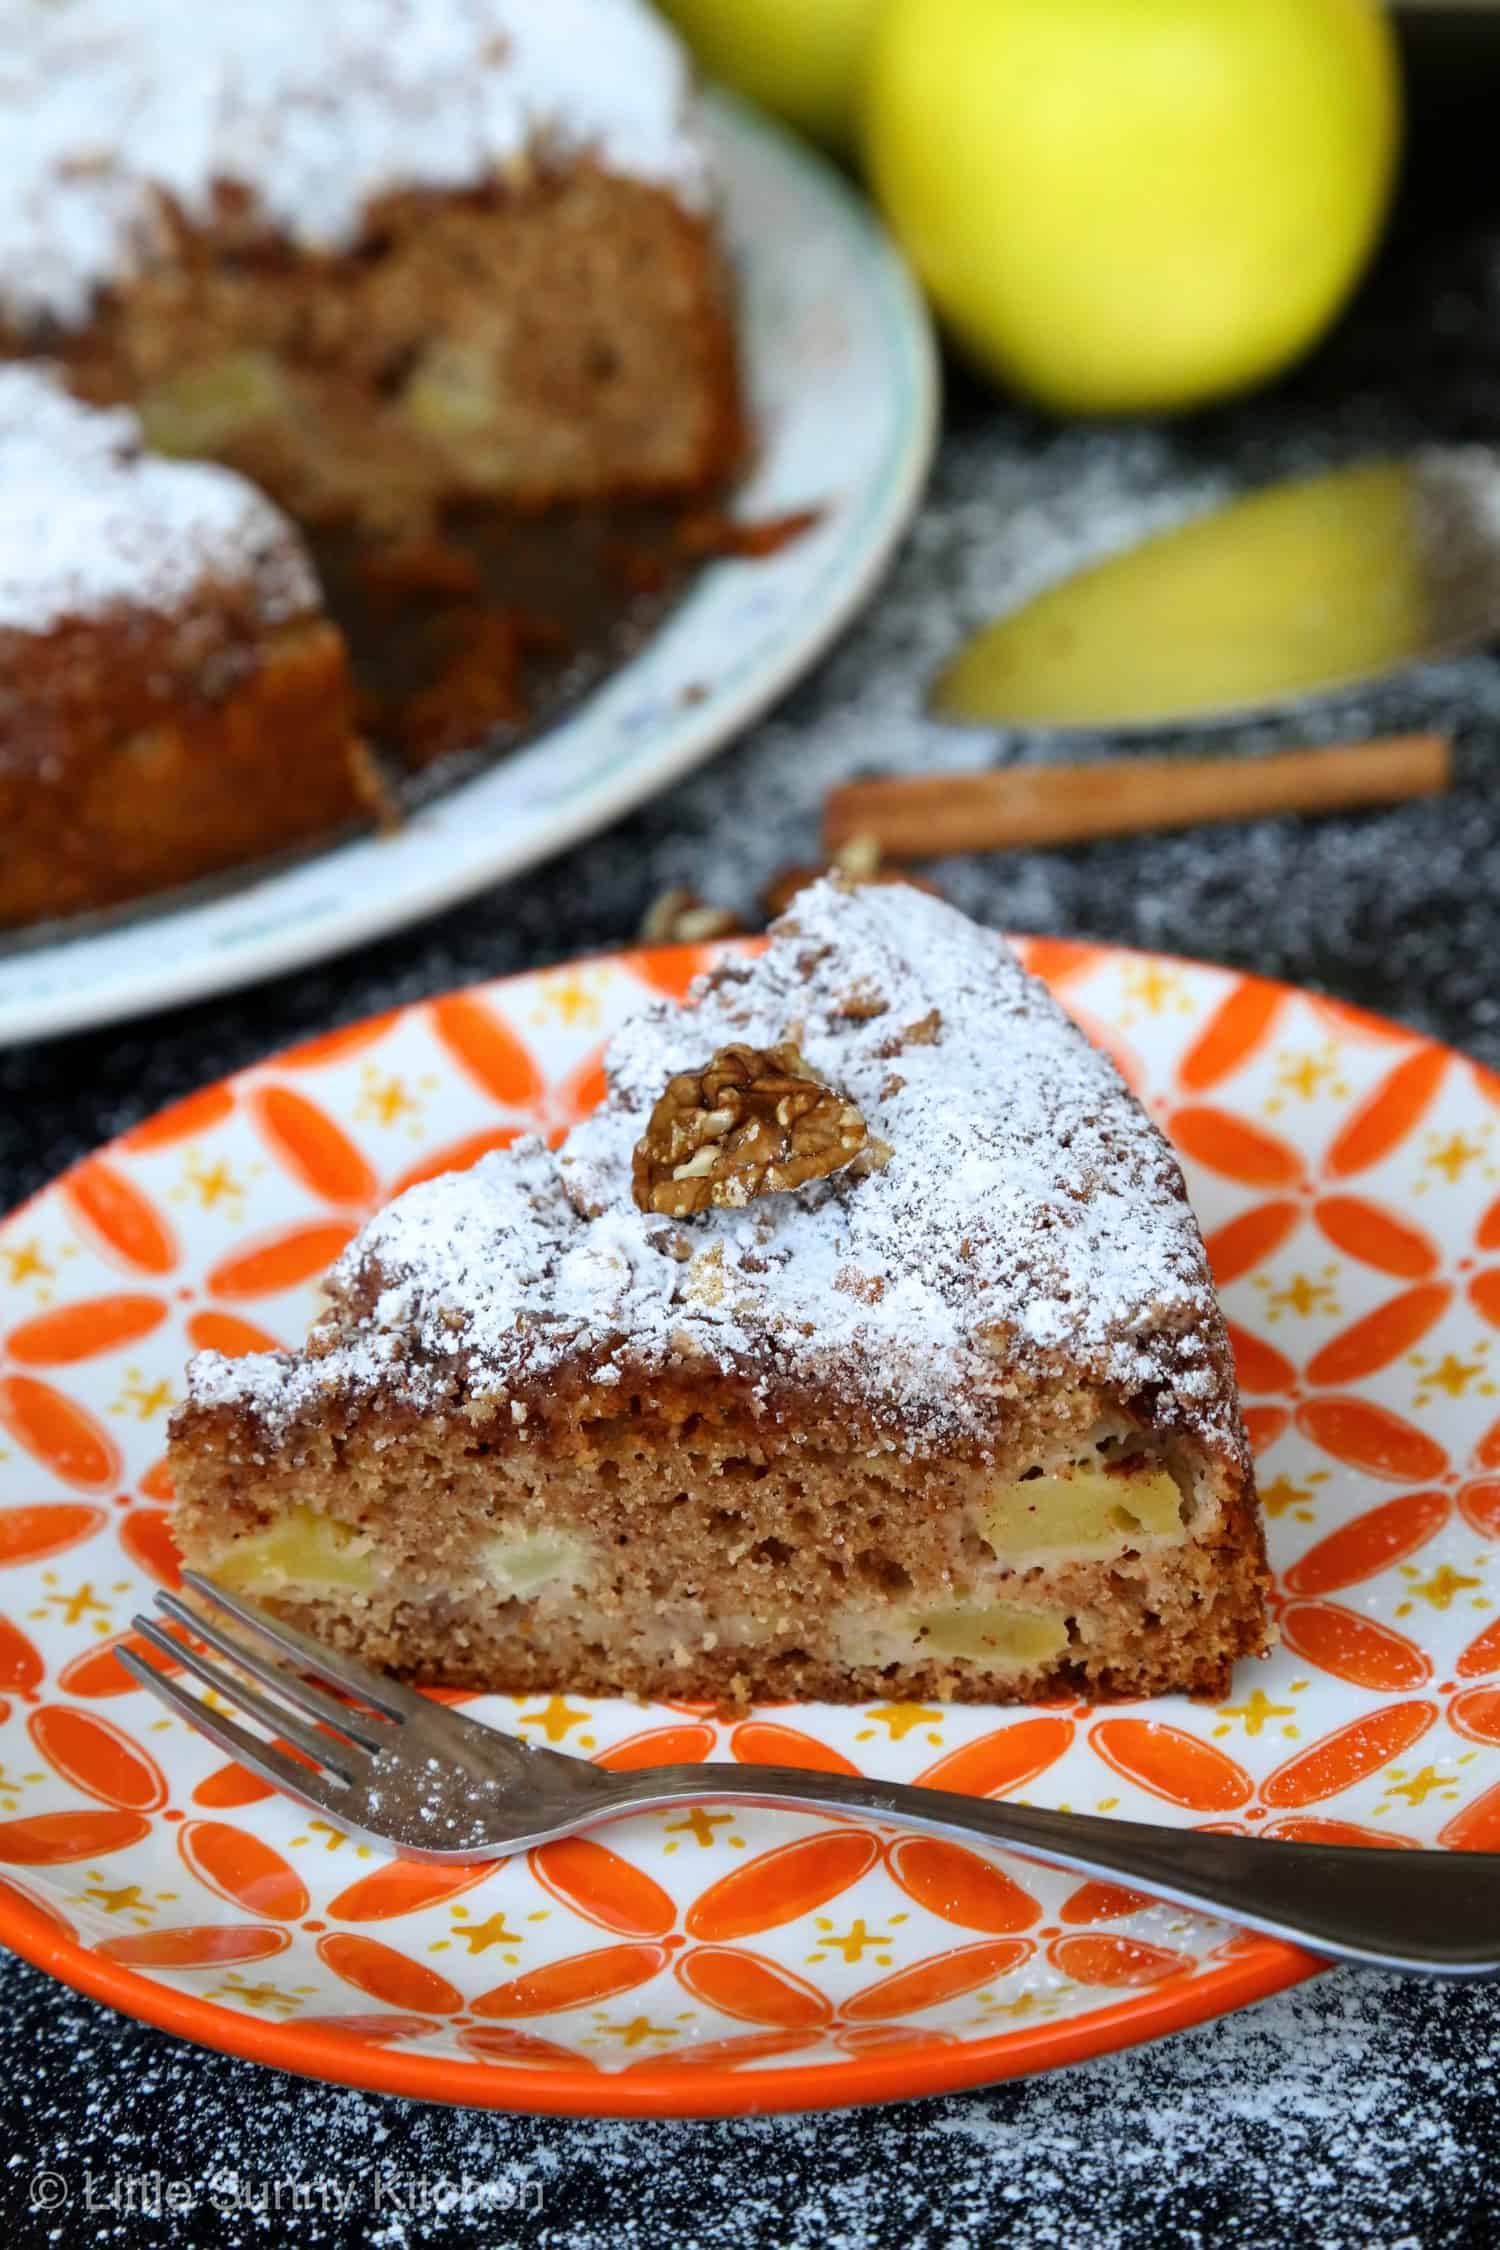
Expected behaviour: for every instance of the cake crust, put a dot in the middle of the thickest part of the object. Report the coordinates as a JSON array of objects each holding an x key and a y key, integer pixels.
[
  {"x": 777, "y": 1436},
  {"x": 172, "y": 698}
]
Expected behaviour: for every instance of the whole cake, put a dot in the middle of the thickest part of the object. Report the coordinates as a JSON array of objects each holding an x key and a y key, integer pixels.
[
  {"x": 862, "y": 1343},
  {"x": 172, "y": 697},
  {"x": 377, "y": 254}
]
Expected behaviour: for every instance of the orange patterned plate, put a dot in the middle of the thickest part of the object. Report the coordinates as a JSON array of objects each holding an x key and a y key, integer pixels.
[{"x": 1347, "y": 1174}]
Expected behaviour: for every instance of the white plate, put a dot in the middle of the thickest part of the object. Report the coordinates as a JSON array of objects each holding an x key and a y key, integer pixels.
[{"x": 842, "y": 377}]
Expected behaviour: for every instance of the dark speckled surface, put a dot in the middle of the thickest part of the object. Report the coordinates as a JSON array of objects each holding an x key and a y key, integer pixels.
[{"x": 1360, "y": 2110}]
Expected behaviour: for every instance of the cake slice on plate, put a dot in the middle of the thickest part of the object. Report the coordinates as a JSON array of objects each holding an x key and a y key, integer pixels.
[{"x": 861, "y": 1344}]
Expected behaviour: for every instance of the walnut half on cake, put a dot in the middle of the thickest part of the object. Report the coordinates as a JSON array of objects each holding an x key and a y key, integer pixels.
[{"x": 861, "y": 1344}]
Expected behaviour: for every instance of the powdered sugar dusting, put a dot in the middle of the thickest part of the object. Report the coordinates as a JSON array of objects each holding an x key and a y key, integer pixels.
[
  {"x": 1028, "y": 1222},
  {"x": 111, "y": 106},
  {"x": 91, "y": 521}
]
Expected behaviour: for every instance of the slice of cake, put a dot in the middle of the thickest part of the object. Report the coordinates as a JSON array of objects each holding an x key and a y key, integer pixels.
[
  {"x": 861, "y": 1344},
  {"x": 376, "y": 254},
  {"x": 172, "y": 697}
]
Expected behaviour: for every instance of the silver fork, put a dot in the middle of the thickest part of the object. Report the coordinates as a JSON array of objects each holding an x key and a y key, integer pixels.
[{"x": 390, "y": 1766}]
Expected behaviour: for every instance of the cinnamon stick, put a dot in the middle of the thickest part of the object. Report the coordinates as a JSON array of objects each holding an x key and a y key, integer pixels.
[{"x": 923, "y": 816}]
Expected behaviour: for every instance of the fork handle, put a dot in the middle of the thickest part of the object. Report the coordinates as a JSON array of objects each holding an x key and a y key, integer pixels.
[{"x": 1436, "y": 1913}]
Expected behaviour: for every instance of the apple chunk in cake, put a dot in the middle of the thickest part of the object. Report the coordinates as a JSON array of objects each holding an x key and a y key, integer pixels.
[{"x": 861, "y": 1344}]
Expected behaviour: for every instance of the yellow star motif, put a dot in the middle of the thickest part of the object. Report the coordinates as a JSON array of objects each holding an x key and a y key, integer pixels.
[
  {"x": 700, "y": 1824},
  {"x": 385, "y": 1100},
  {"x": 1452, "y": 1375},
  {"x": 554, "y": 1718},
  {"x": 1420, "y": 1786},
  {"x": 73, "y": 1607},
  {"x": 637, "y": 2031},
  {"x": 1281, "y": 1493},
  {"x": 901, "y": 1718},
  {"x": 1444, "y": 1583},
  {"x": 212, "y": 1184},
  {"x": 336, "y": 1836},
  {"x": 1255, "y": 1712},
  {"x": 855, "y": 1942},
  {"x": 1304, "y": 1075},
  {"x": 570, "y": 998},
  {"x": 1155, "y": 988},
  {"x": 1302, "y": 1296},
  {"x": 117, "y": 1901},
  {"x": 478, "y": 1936},
  {"x": 24, "y": 1262},
  {"x": 147, "y": 1399},
  {"x": 1453, "y": 1156},
  {"x": 261, "y": 1995}
]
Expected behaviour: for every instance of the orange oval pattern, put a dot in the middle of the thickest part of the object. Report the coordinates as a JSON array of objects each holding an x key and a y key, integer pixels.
[
  {"x": 242, "y": 1868},
  {"x": 751, "y": 1988},
  {"x": 55, "y": 1839},
  {"x": 312, "y": 1147},
  {"x": 1172, "y": 1764},
  {"x": 146, "y": 1536},
  {"x": 604, "y": 1888},
  {"x": 195, "y": 1113},
  {"x": 404, "y": 1886},
  {"x": 214, "y": 1331},
  {"x": 941, "y": 1977},
  {"x": 1259, "y": 1365},
  {"x": 1482, "y": 1654},
  {"x": 951, "y": 1881},
  {"x": 1354, "y": 1648},
  {"x": 1476, "y": 1713},
  {"x": 392, "y": 1978},
  {"x": 1233, "y": 1032},
  {"x": 1369, "y": 1437},
  {"x": 581, "y": 1981},
  {"x": 659, "y": 1746},
  {"x": 1349, "y": 1755},
  {"x": 1479, "y": 1505},
  {"x": 782, "y": 1885},
  {"x": 55, "y": 1430},
  {"x": 116, "y": 1215},
  {"x": 36, "y": 1534},
  {"x": 458, "y": 1156},
  {"x": 1476, "y": 1828},
  {"x": 1363, "y": 1230},
  {"x": 21, "y": 1668},
  {"x": 98, "y": 1758},
  {"x": 1006, "y": 1759},
  {"x": 1102, "y": 1902},
  {"x": 487, "y": 1051},
  {"x": 94, "y": 1673},
  {"x": 1315, "y": 1828},
  {"x": 1234, "y": 1148},
  {"x": 1241, "y": 1244},
  {"x": 84, "y": 1331},
  {"x": 1107, "y": 1957},
  {"x": 1373, "y": 1542},
  {"x": 765, "y": 1742},
  {"x": 1388, "y": 1114},
  {"x": 1382, "y": 1335},
  {"x": 196, "y": 1945},
  {"x": 283, "y": 1260}
]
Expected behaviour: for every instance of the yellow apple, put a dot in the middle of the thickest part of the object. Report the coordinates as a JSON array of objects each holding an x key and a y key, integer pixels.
[
  {"x": 804, "y": 59},
  {"x": 1134, "y": 205}
]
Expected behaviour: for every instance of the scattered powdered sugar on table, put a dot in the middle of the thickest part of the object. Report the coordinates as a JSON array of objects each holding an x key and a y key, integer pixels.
[
  {"x": 1023, "y": 1222},
  {"x": 114, "y": 108},
  {"x": 1307, "y": 2123},
  {"x": 92, "y": 523}
]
